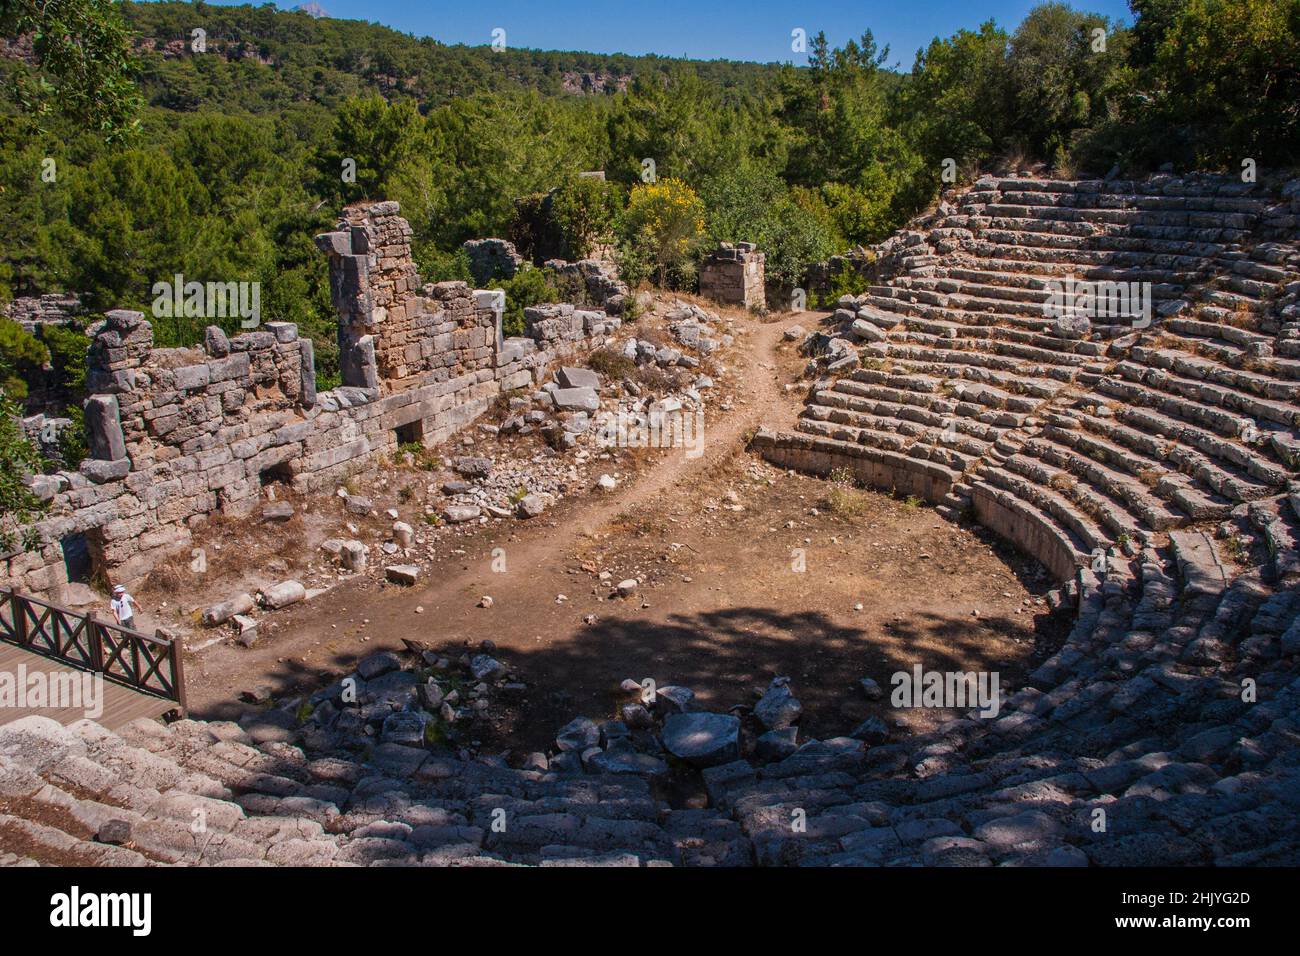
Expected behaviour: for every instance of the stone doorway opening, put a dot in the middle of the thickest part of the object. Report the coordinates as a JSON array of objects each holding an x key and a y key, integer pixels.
[
  {"x": 412, "y": 433},
  {"x": 280, "y": 474}
]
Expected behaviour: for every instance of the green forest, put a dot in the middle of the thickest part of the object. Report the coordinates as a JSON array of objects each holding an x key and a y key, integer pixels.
[{"x": 129, "y": 154}]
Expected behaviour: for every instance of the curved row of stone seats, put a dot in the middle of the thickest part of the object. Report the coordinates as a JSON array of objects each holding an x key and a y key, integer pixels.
[
  {"x": 1071, "y": 440},
  {"x": 1162, "y": 731},
  {"x": 200, "y": 793},
  {"x": 988, "y": 253}
]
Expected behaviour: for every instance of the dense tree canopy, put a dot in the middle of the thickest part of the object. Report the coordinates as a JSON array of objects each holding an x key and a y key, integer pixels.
[{"x": 152, "y": 158}]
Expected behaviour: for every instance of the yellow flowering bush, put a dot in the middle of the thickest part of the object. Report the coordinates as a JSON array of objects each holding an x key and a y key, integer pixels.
[{"x": 662, "y": 223}]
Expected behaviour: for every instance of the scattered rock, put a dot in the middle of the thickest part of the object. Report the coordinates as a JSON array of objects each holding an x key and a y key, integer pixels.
[
  {"x": 282, "y": 595},
  {"x": 114, "y": 833},
  {"x": 778, "y": 708},
  {"x": 473, "y": 466},
  {"x": 578, "y": 734},
  {"x": 530, "y": 506},
  {"x": 486, "y": 667},
  {"x": 459, "y": 514},
  {"x": 357, "y": 505},
  {"x": 378, "y": 664}
]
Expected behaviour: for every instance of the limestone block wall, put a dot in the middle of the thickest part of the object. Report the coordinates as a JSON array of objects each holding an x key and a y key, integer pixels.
[
  {"x": 492, "y": 257},
  {"x": 735, "y": 274},
  {"x": 178, "y": 434},
  {"x": 593, "y": 282},
  {"x": 55, "y": 308}
]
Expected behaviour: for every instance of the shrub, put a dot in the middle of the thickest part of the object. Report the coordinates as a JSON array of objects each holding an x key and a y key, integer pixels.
[
  {"x": 663, "y": 223},
  {"x": 845, "y": 282},
  {"x": 845, "y": 501},
  {"x": 435, "y": 266},
  {"x": 583, "y": 210},
  {"x": 21, "y": 357},
  {"x": 18, "y": 459},
  {"x": 611, "y": 364},
  {"x": 528, "y": 287}
]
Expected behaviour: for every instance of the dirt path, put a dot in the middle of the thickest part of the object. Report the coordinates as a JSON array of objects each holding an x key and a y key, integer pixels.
[{"x": 718, "y": 609}]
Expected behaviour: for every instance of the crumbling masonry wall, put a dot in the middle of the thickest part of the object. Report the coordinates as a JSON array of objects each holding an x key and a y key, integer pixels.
[{"x": 178, "y": 434}]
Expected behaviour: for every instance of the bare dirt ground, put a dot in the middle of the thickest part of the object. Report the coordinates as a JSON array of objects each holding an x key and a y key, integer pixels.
[{"x": 723, "y": 606}]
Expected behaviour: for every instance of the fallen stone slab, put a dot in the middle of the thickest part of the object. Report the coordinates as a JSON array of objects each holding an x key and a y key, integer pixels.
[
  {"x": 578, "y": 735},
  {"x": 406, "y": 574},
  {"x": 867, "y": 331},
  {"x": 377, "y": 665},
  {"x": 405, "y": 728},
  {"x": 486, "y": 667},
  {"x": 277, "y": 511},
  {"x": 576, "y": 399},
  {"x": 114, "y": 832},
  {"x": 778, "y": 708},
  {"x": 777, "y": 744},
  {"x": 703, "y": 739},
  {"x": 473, "y": 466},
  {"x": 357, "y": 505},
  {"x": 530, "y": 506},
  {"x": 570, "y": 377},
  {"x": 672, "y": 699}
]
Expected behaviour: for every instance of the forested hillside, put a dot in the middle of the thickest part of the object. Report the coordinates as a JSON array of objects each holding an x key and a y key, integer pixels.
[{"x": 221, "y": 163}]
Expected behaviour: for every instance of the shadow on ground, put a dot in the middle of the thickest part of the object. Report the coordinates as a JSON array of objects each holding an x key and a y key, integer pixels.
[{"x": 723, "y": 655}]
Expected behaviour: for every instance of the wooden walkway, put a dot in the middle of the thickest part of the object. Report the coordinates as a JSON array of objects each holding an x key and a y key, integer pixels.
[{"x": 120, "y": 704}]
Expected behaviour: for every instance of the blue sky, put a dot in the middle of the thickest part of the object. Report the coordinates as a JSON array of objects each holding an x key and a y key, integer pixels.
[{"x": 700, "y": 29}]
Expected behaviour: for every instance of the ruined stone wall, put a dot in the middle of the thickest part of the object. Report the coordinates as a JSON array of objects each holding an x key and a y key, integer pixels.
[
  {"x": 735, "y": 274},
  {"x": 55, "y": 308},
  {"x": 492, "y": 257},
  {"x": 178, "y": 434},
  {"x": 594, "y": 282}
]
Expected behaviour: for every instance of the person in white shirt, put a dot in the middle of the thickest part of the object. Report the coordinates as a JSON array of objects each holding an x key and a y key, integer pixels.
[{"x": 123, "y": 606}]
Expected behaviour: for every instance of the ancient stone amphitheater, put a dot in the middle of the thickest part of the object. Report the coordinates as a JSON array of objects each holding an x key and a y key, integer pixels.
[{"x": 1150, "y": 467}]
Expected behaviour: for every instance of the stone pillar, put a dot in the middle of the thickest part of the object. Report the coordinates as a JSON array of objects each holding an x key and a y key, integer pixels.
[
  {"x": 373, "y": 285},
  {"x": 735, "y": 275},
  {"x": 119, "y": 344},
  {"x": 493, "y": 300}
]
